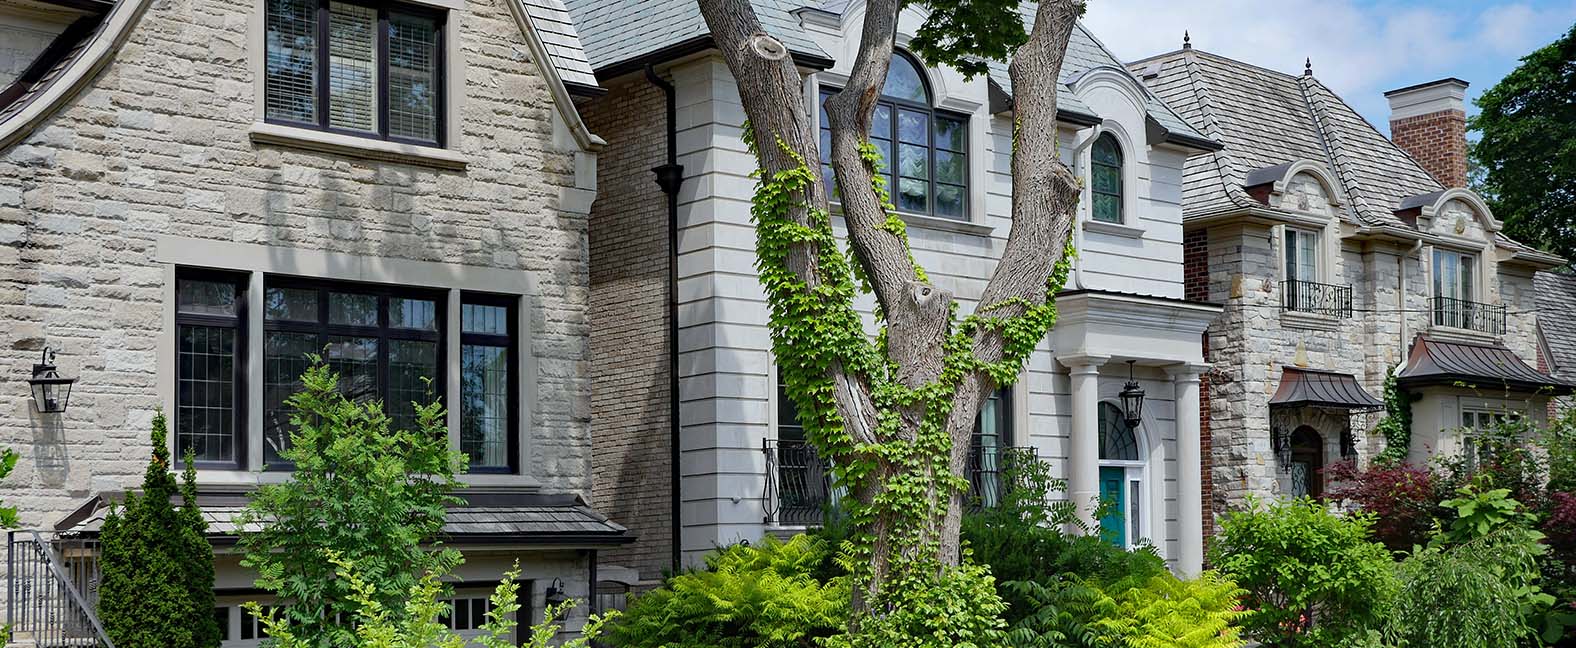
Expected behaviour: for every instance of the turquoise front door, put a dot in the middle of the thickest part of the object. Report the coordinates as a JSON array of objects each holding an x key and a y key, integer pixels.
[{"x": 1114, "y": 506}]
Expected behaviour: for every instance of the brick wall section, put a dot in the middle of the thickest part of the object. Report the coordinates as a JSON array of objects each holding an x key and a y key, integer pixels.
[
  {"x": 1438, "y": 141},
  {"x": 157, "y": 144},
  {"x": 1195, "y": 286},
  {"x": 629, "y": 333}
]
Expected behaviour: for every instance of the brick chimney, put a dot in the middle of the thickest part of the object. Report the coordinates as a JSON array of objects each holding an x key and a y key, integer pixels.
[{"x": 1429, "y": 121}]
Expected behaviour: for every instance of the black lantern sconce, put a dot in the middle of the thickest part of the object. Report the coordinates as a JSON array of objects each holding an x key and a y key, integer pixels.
[
  {"x": 51, "y": 392},
  {"x": 1281, "y": 438},
  {"x": 555, "y": 593},
  {"x": 1348, "y": 445},
  {"x": 1132, "y": 399}
]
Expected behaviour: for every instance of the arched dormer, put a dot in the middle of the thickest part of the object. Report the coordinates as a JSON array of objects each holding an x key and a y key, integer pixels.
[
  {"x": 1452, "y": 213},
  {"x": 1302, "y": 186},
  {"x": 1088, "y": 81}
]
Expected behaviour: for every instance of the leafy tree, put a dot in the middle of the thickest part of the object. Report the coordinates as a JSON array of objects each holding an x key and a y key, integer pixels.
[
  {"x": 1313, "y": 578},
  {"x": 1528, "y": 147},
  {"x": 894, "y": 416},
  {"x": 8, "y": 457},
  {"x": 361, "y": 492},
  {"x": 157, "y": 590}
]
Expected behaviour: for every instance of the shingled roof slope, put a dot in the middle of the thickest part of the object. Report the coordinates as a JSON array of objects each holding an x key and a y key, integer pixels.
[
  {"x": 1266, "y": 118},
  {"x": 621, "y": 31},
  {"x": 557, "y": 30},
  {"x": 1556, "y": 294}
]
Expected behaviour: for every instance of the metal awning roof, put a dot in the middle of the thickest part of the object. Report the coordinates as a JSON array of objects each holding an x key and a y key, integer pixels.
[
  {"x": 1301, "y": 387},
  {"x": 1486, "y": 366}
]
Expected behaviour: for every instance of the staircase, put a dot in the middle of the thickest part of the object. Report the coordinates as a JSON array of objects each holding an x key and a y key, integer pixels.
[{"x": 52, "y": 592}]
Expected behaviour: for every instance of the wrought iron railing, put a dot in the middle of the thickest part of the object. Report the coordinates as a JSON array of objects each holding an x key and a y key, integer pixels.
[
  {"x": 799, "y": 484},
  {"x": 1314, "y": 297},
  {"x": 1471, "y": 315},
  {"x": 53, "y": 589}
]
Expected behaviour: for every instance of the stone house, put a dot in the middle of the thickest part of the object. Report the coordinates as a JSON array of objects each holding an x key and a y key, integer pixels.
[
  {"x": 1340, "y": 255},
  {"x": 696, "y": 446},
  {"x": 195, "y": 195}
]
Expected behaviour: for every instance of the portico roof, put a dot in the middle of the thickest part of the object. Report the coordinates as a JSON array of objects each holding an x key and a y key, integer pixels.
[
  {"x": 1300, "y": 387},
  {"x": 1487, "y": 366}
]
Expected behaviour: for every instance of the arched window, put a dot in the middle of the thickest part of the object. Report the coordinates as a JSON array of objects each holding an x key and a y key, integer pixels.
[
  {"x": 925, "y": 149},
  {"x": 1106, "y": 181},
  {"x": 1121, "y": 479}
]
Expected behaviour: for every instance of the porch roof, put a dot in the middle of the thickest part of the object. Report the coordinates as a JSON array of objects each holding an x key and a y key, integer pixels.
[
  {"x": 1491, "y": 366},
  {"x": 1300, "y": 387}
]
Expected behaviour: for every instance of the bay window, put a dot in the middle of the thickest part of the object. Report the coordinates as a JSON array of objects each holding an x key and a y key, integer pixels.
[{"x": 371, "y": 70}]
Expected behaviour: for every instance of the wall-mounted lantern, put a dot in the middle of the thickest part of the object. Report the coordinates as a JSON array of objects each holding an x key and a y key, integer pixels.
[
  {"x": 1132, "y": 399},
  {"x": 1280, "y": 437},
  {"x": 51, "y": 392},
  {"x": 555, "y": 593}
]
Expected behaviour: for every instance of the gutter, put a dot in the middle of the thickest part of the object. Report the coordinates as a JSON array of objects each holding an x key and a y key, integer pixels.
[{"x": 670, "y": 177}]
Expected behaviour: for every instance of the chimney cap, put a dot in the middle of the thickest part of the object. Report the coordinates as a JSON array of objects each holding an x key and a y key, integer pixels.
[{"x": 1422, "y": 86}]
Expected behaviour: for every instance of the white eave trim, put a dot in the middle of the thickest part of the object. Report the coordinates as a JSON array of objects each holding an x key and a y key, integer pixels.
[
  {"x": 587, "y": 140},
  {"x": 117, "y": 27}
]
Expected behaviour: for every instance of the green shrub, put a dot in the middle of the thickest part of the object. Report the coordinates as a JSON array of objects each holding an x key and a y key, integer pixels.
[
  {"x": 8, "y": 457},
  {"x": 1313, "y": 578},
  {"x": 1166, "y": 612},
  {"x": 371, "y": 495},
  {"x": 157, "y": 589},
  {"x": 1476, "y": 595},
  {"x": 747, "y": 596},
  {"x": 960, "y": 609}
]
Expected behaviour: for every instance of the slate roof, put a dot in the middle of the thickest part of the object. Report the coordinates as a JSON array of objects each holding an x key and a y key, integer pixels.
[
  {"x": 557, "y": 30},
  {"x": 620, "y": 31},
  {"x": 1301, "y": 387},
  {"x": 617, "y": 33},
  {"x": 1267, "y": 118},
  {"x": 1489, "y": 366},
  {"x": 1556, "y": 294},
  {"x": 499, "y": 517}
]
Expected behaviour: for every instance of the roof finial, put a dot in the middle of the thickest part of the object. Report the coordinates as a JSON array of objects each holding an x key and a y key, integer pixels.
[
  {"x": 1307, "y": 67},
  {"x": 1187, "y": 40}
]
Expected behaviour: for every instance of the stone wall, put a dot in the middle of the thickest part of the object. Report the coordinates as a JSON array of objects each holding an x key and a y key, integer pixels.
[
  {"x": 631, "y": 417},
  {"x": 158, "y": 145}
]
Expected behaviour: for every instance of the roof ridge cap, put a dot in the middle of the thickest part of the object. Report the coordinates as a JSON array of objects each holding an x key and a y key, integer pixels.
[
  {"x": 1404, "y": 153},
  {"x": 1343, "y": 171},
  {"x": 1225, "y": 164}
]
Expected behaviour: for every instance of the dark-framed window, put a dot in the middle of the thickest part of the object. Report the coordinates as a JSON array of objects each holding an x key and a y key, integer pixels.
[
  {"x": 489, "y": 384},
  {"x": 925, "y": 149},
  {"x": 988, "y": 448},
  {"x": 385, "y": 343},
  {"x": 365, "y": 69},
  {"x": 1106, "y": 179},
  {"x": 210, "y": 373}
]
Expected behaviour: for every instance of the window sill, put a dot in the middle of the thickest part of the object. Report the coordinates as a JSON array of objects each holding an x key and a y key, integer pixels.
[
  {"x": 305, "y": 138},
  {"x": 928, "y": 222},
  {"x": 1310, "y": 321},
  {"x": 1114, "y": 229}
]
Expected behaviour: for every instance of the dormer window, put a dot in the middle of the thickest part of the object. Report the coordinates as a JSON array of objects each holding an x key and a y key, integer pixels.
[
  {"x": 370, "y": 70},
  {"x": 1106, "y": 179},
  {"x": 925, "y": 149}
]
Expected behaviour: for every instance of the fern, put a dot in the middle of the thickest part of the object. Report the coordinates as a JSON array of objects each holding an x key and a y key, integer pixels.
[{"x": 1166, "y": 612}]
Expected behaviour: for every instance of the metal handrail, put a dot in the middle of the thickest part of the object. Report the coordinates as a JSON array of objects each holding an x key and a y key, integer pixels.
[
  {"x": 1314, "y": 297},
  {"x": 1470, "y": 315},
  {"x": 51, "y": 619}
]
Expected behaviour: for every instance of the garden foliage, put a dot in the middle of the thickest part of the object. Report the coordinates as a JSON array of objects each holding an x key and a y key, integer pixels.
[
  {"x": 157, "y": 588},
  {"x": 369, "y": 495},
  {"x": 8, "y": 457}
]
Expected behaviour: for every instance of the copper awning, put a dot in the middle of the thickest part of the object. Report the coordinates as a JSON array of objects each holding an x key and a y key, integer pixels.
[
  {"x": 1482, "y": 366},
  {"x": 1301, "y": 387}
]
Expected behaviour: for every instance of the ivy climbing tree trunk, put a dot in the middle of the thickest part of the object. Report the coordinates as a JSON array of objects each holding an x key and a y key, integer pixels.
[{"x": 895, "y": 416}]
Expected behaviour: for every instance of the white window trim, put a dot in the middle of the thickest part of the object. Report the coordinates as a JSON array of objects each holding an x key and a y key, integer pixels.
[
  {"x": 1132, "y": 224},
  {"x": 447, "y": 156},
  {"x": 261, "y": 260},
  {"x": 1140, "y": 470}
]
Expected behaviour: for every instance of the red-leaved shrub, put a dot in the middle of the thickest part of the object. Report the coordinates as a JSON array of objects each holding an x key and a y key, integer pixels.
[{"x": 1403, "y": 497}]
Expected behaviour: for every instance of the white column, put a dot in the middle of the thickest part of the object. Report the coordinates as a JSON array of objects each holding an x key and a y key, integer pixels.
[
  {"x": 1083, "y": 451},
  {"x": 1190, "y": 491}
]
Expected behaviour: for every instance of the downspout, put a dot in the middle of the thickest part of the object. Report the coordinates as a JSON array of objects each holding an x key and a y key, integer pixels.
[
  {"x": 1078, "y": 164},
  {"x": 1401, "y": 299},
  {"x": 670, "y": 176}
]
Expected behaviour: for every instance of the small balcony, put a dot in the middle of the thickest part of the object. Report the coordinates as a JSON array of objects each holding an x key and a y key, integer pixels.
[
  {"x": 799, "y": 484},
  {"x": 1469, "y": 315},
  {"x": 1330, "y": 300}
]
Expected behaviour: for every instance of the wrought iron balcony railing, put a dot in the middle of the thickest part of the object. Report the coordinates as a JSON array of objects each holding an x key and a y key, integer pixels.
[
  {"x": 1318, "y": 298},
  {"x": 799, "y": 484},
  {"x": 1470, "y": 315},
  {"x": 53, "y": 588}
]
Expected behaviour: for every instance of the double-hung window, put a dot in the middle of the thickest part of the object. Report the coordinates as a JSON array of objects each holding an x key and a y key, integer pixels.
[
  {"x": 1302, "y": 255},
  {"x": 924, "y": 150},
  {"x": 371, "y": 70},
  {"x": 387, "y": 344}
]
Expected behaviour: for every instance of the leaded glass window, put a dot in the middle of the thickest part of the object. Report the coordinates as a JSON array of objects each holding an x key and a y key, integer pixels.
[
  {"x": 374, "y": 70},
  {"x": 1106, "y": 181},
  {"x": 210, "y": 319},
  {"x": 925, "y": 150},
  {"x": 489, "y": 395},
  {"x": 1117, "y": 440}
]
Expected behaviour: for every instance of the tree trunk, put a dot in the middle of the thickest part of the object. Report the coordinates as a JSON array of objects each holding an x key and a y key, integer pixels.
[{"x": 918, "y": 314}]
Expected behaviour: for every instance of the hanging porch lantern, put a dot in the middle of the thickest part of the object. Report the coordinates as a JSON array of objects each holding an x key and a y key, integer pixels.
[
  {"x": 51, "y": 392},
  {"x": 1132, "y": 399}
]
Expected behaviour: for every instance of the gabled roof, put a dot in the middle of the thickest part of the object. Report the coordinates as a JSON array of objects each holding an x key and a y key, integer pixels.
[
  {"x": 1556, "y": 295},
  {"x": 1482, "y": 366},
  {"x": 1267, "y": 118}
]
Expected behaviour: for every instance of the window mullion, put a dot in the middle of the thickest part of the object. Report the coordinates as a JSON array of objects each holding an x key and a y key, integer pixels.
[
  {"x": 382, "y": 66},
  {"x": 323, "y": 73}
]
